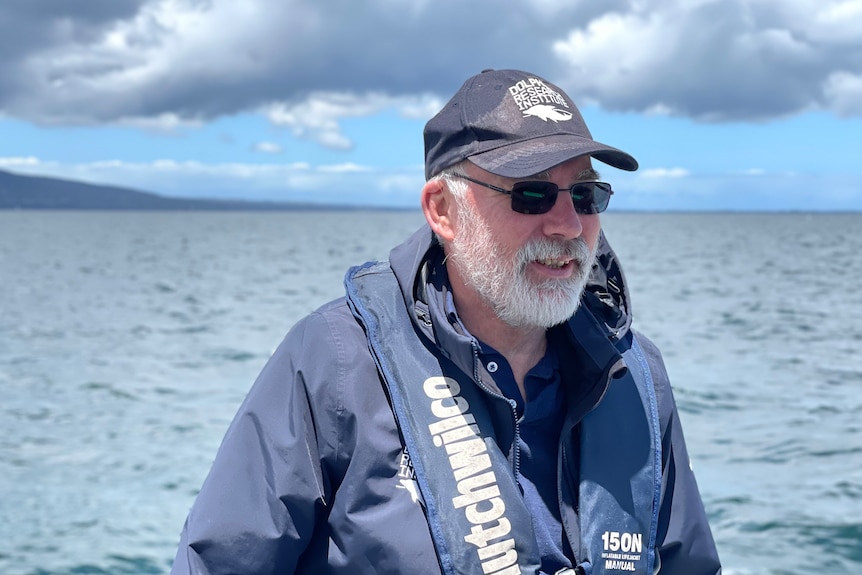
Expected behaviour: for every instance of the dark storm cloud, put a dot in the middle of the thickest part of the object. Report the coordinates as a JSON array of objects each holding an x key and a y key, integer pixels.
[
  {"x": 193, "y": 60},
  {"x": 29, "y": 26}
]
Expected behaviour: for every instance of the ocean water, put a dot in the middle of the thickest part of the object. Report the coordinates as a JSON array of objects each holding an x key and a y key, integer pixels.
[{"x": 128, "y": 340}]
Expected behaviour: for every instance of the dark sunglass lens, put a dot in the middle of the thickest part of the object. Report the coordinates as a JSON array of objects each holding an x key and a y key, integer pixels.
[
  {"x": 601, "y": 197},
  {"x": 591, "y": 198},
  {"x": 533, "y": 197}
]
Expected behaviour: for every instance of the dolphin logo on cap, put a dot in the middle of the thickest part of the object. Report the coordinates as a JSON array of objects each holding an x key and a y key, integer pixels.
[{"x": 547, "y": 112}]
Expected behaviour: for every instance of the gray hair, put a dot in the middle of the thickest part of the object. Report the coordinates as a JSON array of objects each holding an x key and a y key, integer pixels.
[
  {"x": 450, "y": 177},
  {"x": 457, "y": 186}
]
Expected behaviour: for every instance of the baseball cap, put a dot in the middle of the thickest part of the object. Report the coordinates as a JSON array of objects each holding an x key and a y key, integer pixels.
[{"x": 512, "y": 124}]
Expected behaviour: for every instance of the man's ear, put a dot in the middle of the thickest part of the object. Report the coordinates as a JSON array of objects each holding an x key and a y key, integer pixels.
[{"x": 438, "y": 207}]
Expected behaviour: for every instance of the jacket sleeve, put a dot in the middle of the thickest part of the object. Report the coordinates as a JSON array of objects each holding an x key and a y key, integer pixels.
[
  {"x": 267, "y": 489},
  {"x": 685, "y": 543}
]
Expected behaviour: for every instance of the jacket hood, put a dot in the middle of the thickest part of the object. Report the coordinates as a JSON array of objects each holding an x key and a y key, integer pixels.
[
  {"x": 416, "y": 264},
  {"x": 606, "y": 294}
]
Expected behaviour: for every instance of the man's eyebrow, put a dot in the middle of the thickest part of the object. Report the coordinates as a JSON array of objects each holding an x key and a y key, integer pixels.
[{"x": 588, "y": 174}]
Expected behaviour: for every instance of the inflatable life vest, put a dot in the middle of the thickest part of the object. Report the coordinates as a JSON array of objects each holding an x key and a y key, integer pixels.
[{"x": 476, "y": 514}]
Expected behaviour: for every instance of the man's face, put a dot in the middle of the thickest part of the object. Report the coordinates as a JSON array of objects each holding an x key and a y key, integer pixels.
[{"x": 529, "y": 269}]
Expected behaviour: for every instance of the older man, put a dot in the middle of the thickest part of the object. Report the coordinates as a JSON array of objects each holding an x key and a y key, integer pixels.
[{"x": 478, "y": 403}]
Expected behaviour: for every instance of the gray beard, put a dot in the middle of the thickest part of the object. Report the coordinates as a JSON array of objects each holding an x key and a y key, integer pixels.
[{"x": 503, "y": 284}]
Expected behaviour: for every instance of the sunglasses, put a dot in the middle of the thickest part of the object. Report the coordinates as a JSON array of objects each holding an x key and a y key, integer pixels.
[{"x": 538, "y": 197}]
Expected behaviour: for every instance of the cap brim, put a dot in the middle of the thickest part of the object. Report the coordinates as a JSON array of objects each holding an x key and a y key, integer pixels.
[{"x": 529, "y": 157}]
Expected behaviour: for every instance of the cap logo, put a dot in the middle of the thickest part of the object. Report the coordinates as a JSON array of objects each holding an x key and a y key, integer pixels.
[
  {"x": 534, "y": 98},
  {"x": 547, "y": 112}
]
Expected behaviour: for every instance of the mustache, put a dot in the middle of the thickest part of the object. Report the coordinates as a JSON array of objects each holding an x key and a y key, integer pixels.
[{"x": 546, "y": 248}]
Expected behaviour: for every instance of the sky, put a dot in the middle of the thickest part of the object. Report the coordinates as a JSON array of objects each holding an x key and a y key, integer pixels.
[{"x": 726, "y": 104}]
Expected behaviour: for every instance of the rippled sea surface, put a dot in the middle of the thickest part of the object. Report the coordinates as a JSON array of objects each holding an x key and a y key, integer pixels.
[{"x": 128, "y": 340}]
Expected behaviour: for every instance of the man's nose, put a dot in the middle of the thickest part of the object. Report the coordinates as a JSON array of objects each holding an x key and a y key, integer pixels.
[{"x": 562, "y": 220}]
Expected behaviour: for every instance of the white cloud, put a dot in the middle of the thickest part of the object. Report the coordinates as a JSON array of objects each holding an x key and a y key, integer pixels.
[
  {"x": 166, "y": 122},
  {"x": 420, "y": 108},
  {"x": 344, "y": 168},
  {"x": 664, "y": 173},
  {"x": 268, "y": 148},
  {"x": 15, "y": 162},
  {"x": 318, "y": 116},
  {"x": 843, "y": 93},
  {"x": 835, "y": 22}
]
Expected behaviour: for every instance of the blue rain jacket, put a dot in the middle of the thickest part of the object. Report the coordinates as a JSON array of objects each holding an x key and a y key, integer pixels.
[{"x": 312, "y": 476}]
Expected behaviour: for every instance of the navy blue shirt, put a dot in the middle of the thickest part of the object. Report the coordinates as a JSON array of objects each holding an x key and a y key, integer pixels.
[{"x": 540, "y": 420}]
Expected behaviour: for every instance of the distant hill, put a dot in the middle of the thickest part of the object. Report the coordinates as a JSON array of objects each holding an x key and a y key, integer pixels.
[{"x": 41, "y": 193}]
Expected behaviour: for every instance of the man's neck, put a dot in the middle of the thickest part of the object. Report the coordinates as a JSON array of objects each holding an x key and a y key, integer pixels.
[{"x": 523, "y": 347}]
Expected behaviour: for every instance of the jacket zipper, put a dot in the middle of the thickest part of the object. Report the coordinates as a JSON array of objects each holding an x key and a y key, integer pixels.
[{"x": 513, "y": 406}]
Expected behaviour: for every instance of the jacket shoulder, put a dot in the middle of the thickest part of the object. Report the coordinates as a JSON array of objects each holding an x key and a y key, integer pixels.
[
  {"x": 323, "y": 336},
  {"x": 324, "y": 349}
]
